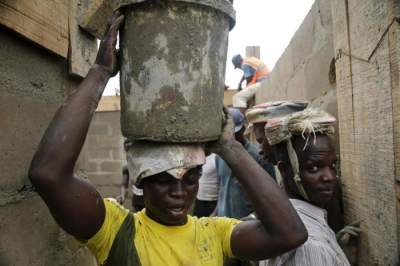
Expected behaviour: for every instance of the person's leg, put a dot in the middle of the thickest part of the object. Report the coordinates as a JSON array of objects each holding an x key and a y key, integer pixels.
[
  {"x": 241, "y": 98},
  {"x": 203, "y": 208}
]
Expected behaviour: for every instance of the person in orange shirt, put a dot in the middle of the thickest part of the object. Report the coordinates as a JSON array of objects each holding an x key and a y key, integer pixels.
[{"x": 254, "y": 72}]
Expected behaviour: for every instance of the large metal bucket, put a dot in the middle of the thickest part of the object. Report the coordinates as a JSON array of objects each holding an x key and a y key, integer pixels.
[{"x": 173, "y": 69}]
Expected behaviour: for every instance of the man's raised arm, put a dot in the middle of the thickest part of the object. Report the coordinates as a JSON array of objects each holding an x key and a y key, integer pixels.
[
  {"x": 278, "y": 228},
  {"x": 74, "y": 203}
]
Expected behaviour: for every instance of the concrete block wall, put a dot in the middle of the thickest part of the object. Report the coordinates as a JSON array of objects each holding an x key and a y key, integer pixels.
[
  {"x": 33, "y": 84},
  {"x": 302, "y": 71},
  {"x": 305, "y": 70},
  {"x": 103, "y": 156}
]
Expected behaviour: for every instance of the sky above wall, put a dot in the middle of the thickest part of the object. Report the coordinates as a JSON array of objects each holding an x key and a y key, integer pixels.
[{"x": 269, "y": 24}]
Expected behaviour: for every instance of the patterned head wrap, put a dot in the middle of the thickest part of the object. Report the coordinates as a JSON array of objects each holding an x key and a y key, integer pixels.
[
  {"x": 264, "y": 112},
  {"x": 146, "y": 159}
]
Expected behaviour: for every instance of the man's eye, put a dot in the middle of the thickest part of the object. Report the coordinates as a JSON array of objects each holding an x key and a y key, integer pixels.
[
  {"x": 333, "y": 166},
  {"x": 163, "y": 181},
  {"x": 190, "y": 182},
  {"x": 313, "y": 169},
  {"x": 193, "y": 179}
]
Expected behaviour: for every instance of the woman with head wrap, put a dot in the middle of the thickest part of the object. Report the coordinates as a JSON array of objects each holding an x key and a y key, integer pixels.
[{"x": 304, "y": 152}]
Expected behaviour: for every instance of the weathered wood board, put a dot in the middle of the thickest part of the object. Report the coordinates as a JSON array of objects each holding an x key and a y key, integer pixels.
[
  {"x": 43, "y": 22},
  {"x": 368, "y": 102},
  {"x": 83, "y": 47},
  {"x": 394, "y": 44},
  {"x": 94, "y": 19}
]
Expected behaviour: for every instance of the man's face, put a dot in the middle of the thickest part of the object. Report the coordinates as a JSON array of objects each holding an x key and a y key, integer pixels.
[
  {"x": 318, "y": 169},
  {"x": 167, "y": 199},
  {"x": 259, "y": 132}
]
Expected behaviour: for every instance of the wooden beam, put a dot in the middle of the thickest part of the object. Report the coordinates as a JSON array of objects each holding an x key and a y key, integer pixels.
[
  {"x": 83, "y": 47},
  {"x": 43, "y": 22},
  {"x": 94, "y": 20}
]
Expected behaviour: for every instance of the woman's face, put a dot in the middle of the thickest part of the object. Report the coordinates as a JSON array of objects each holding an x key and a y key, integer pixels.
[
  {"x": 317, "y": 165},
  {"x": 167, "y": 199}
]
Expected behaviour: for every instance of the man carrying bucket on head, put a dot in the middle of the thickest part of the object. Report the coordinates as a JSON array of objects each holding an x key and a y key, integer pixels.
[{"x": 163, "y": 233}]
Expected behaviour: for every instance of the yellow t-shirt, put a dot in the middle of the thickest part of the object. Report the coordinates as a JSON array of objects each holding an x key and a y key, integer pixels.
[{"x": 203, "y": 241}]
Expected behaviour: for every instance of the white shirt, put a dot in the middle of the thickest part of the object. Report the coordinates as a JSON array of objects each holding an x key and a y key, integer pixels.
[
  {"x": 321, "y": 248},
  {"x": 208, "y": 182}
]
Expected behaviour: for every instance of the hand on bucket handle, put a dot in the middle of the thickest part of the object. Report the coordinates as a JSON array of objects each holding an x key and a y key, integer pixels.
[
  {"x": 226, "y": 137},
  {"x": 107, "y": 56}
]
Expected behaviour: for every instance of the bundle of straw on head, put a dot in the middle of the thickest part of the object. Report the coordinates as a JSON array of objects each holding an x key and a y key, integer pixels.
[{"x": 304, "y": 123}]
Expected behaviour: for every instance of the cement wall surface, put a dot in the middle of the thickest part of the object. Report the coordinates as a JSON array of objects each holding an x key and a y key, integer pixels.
[{"x": 33, "y": 84}]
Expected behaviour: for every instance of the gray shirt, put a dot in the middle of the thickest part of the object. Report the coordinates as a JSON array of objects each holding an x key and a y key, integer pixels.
[{"x": 321, "y": 248}]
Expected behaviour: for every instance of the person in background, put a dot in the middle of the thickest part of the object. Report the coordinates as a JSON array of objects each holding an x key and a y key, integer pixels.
[
  {"x": 163, "y": 233},
  {"x": 254, "y": 72},
  {"x": 302, "y": 145},
  {"x": 207, "y": 196},
  {"x": 233, "y": 201},
  {"x": 257, "y": 116}
]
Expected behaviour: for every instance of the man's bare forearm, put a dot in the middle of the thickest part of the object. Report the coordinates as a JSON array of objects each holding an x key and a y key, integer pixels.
[
  {"x": 271, "y": 204},
  {"x": 74, "y": 202}
]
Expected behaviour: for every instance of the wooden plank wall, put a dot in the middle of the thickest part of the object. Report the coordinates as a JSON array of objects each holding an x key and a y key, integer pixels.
[
  {"x": 53, "y": 25},
  {"x": 366, "y": 36},
  {"x": 43, "y": 22},
  {"x": 82, "y": 46},
  {"x": 394, "y": 46}
]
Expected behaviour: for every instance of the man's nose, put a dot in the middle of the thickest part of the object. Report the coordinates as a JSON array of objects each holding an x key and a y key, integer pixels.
[{"x": 177, "y": 189}]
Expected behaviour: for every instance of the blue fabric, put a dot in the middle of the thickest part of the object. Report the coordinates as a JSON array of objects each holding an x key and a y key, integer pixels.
[
  {"x": 248, "y": 71},
  {"x": 232, "y": 199}
]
